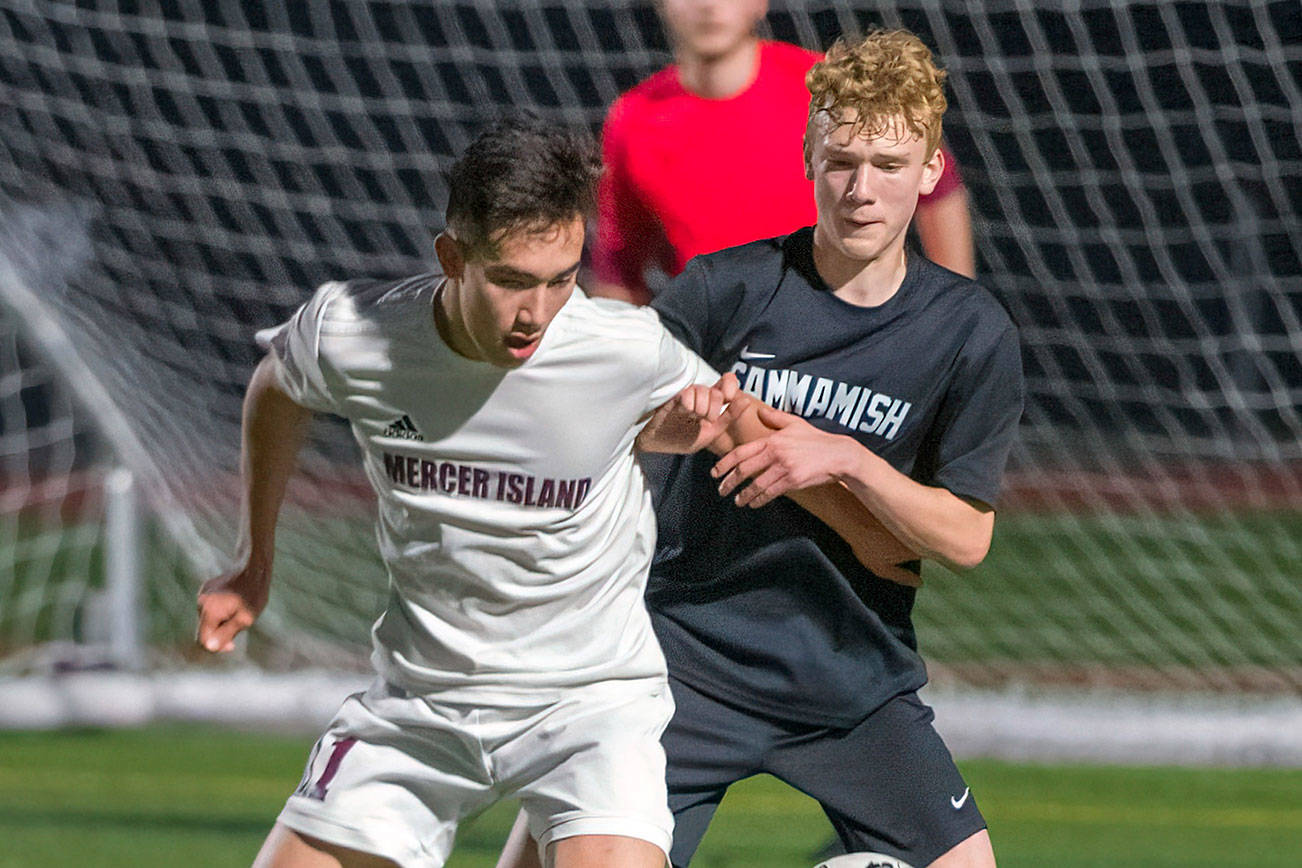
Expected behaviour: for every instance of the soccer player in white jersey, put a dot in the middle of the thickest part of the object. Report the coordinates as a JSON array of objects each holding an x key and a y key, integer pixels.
[{"x": 496, "y": 407}]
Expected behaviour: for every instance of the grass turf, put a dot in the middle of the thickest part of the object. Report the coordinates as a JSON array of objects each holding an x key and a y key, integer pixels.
[{"x": 203, "y": 797}]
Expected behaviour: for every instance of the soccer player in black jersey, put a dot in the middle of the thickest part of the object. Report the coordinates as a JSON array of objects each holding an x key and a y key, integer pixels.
[{"x": 877, "y": 373}]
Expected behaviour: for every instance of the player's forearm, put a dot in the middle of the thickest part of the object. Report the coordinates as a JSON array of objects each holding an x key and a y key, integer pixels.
[
  {"x": 873, "y": 544},
  {"x": 945, "y": 230},
  {"x": 744, "y": 428},
  {"x": 832, "y": 503},
  {"x": 273, "y": 430},
  {"x": 931, "y": 521}
]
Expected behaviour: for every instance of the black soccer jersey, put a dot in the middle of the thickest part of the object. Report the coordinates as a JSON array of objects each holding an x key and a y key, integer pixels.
[{"x": 768, "y": 608}]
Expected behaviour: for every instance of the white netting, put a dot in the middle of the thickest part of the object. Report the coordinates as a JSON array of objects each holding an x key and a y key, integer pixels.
[
  {"x": 175, "y": 175},
  {"x": 47, "y": 541}
]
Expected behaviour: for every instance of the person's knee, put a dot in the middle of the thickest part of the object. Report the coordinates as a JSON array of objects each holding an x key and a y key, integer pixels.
[
  {"x": 604, "y": 851},
  {"x": 972, "y": 852}
]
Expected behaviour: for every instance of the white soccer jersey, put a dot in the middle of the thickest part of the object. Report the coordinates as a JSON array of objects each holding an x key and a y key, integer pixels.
[{"x": 513, "y": 519}]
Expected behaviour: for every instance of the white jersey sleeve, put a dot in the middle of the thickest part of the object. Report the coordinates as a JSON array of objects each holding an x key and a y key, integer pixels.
[
  {"x": 678, "y": 368},
  {"x": 295, "y": 347}
]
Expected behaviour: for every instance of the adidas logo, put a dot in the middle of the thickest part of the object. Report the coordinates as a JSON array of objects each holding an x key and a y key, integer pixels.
[{"x": 403, "y": 429}]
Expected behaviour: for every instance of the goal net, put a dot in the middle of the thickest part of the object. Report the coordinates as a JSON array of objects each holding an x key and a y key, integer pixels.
[{"x": 176, "y": 175}]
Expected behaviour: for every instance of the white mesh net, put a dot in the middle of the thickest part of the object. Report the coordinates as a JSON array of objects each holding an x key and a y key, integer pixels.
[
  {"x": 175, "y": 175},
  {"x": 49, "y": 550}
]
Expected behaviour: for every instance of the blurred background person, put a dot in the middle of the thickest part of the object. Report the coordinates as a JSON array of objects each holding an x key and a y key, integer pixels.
[{"x": 706, "y": 154}]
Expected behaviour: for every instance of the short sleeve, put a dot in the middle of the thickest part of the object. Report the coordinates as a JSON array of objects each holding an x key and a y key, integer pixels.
[
  {"x": 979, "y": 419},
  {"x": 684, "y": 307},
  {"x": 295, "y": 346},
  {"x": 678, "y": 367},
  {"x": 950, "y": 180},
  {"x": 627, "y": 231}
]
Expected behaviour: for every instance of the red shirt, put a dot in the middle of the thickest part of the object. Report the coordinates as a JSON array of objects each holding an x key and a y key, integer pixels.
[{"x": 688, "y": 175}]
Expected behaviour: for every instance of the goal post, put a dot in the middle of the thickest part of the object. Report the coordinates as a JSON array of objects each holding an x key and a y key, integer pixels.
[
  {"x": 176, "y": 176},
  {"x": 123, "y": 570}
]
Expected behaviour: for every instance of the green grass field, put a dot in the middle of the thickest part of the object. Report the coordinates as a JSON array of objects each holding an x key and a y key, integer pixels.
[{"x": 203, "y": 797}]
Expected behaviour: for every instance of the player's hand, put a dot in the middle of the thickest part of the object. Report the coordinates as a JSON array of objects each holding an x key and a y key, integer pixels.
[
  {"x": 228, "y": 604},
  {"x": 692, "y": 419},
  {"x": 796, "y": 455}
]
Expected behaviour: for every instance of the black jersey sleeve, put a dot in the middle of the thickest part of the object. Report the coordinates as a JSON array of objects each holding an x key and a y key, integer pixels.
[
  {"x": 684, "y": 307},
  {"x": 712, "y": 304},
  {"x": 979, "y": 418}
]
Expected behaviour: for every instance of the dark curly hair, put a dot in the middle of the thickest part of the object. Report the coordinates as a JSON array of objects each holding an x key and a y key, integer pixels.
[{"x": 521, "y": 175}]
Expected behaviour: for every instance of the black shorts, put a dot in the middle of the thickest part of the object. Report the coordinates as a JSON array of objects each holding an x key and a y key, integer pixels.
[{"x": 889, "y": 784}]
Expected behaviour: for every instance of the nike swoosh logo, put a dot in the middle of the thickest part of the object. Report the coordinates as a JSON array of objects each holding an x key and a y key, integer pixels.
[
  {"x": 748, "y": 355},
  {"x": 958, "y": 803}
]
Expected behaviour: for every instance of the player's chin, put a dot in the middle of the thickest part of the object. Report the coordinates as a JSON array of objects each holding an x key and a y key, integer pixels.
[
  {"x": 862, "y": 245},
  {"x": 718, "y": 42}
]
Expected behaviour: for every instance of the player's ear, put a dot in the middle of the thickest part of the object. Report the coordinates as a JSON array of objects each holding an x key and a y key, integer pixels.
[
  {"x": 931, "y": 171},
  {"x": 450, "y": 254}
]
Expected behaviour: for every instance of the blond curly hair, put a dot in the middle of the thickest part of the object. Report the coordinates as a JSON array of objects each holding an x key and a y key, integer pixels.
[{"x": 886, "y": 75}]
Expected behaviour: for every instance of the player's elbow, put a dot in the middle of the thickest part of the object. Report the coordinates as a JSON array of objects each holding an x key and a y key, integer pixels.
[
  {"x": 967, "y": 555},
  {"x": 967, "y": 542},
  {"x": 966, "y": 550}
]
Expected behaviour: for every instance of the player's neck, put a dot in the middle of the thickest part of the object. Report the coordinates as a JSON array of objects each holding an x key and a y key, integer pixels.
[
  {"x": 864, "y": 283},
  {"x": 450, "y": 324},
  {"x": 722, "y": 76}
]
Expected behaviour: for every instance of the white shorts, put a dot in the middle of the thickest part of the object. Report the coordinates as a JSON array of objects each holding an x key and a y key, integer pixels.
[{"x": 395, "y": 773}]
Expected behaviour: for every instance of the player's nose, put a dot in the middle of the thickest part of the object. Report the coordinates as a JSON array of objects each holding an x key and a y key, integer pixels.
[
  {"x": 532, "y": 306},
  {"x": 860, "y": 190}
]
